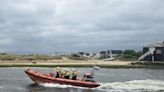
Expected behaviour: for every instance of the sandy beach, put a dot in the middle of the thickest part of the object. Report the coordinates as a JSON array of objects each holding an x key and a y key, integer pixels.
[{"x": 65, "y": 62}]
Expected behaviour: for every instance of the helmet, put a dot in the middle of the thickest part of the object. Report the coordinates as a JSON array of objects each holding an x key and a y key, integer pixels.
[
  {"x": 58, "y": 67},
  {"x": 73, "y": 69},
  {"x": 65, "y": 69}
]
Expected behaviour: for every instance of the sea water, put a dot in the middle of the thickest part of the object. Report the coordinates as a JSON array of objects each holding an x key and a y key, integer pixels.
[{"x": 111, "y": 80}]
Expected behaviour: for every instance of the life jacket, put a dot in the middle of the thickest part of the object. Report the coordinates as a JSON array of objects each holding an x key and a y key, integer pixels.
[
  {"x": 74, "y": 73},
  {"x": 66, "y": 73},
  {"x": 58, "y": 71}
]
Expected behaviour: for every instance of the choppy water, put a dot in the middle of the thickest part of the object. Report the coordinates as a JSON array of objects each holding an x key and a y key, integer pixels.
[{"x": 112, "y": 80}]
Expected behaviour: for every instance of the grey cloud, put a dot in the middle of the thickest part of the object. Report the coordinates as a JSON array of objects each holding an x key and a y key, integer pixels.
[{"x": 31, "y": 26}]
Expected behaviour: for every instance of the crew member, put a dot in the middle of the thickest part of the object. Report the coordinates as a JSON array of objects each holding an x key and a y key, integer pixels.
[
  {"x": 58, "y": 72},
  {"x": 66, "y": 74},
  {"x": 74, "y": 74}
]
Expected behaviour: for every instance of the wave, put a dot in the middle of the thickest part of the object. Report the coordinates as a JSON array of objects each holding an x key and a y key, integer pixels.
[
  {"x": 128, "y": 86},
  {"x": 148, "y": 85},
  {"x": 2, "y": 87},
  {"x": 55, "y": 85}
]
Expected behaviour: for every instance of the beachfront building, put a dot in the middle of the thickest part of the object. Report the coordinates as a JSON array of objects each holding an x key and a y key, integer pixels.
[
  {"x": 85, "y": 54},
  {"x": 153, "y": 52},
  {"x": 97, "y": 55},
  {"x": 109, "y": 53}
]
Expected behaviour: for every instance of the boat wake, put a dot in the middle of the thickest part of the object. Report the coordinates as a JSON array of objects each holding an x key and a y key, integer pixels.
[
  {"x": 55, "y": 85},
  {"x": 134, "y": 86},
  {"x": 1, "y": 87},
  {"x": 128, "y": 86}
]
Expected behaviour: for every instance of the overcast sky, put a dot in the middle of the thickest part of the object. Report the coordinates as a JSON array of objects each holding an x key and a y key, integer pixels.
[{"x": 48, "y": 26}]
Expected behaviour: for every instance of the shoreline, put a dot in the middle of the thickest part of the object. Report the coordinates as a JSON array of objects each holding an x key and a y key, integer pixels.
[
  {"x": 78, "y": 63},
  {"x": 50, "y": 65}
]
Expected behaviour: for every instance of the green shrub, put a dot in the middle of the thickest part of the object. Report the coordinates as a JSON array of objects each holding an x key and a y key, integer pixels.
[
  {"x": 6, "y": 56},
  {"x": 75, "y": 57},
  {"x": 130, "y": 55}
]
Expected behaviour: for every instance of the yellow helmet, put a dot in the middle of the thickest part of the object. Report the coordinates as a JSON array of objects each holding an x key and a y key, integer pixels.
[
  {"x": 58, "y": 69},
  {"x": 65, "y": 69}
]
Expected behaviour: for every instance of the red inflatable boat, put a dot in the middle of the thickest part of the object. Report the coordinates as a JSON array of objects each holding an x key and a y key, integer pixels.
[{"x": 38, "y": 77}]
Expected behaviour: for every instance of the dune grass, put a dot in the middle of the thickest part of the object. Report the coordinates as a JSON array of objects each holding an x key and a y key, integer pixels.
[{"x": 82, "y": 65}]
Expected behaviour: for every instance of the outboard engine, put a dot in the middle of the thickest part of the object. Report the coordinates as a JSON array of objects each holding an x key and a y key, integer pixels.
[{"x": 88, "y": 77}]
